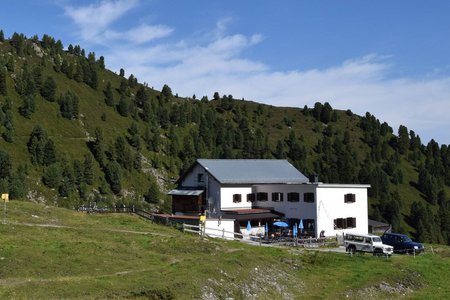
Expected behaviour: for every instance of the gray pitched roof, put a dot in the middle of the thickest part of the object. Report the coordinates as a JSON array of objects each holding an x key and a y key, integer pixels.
[{"x": 252, "y": 171}]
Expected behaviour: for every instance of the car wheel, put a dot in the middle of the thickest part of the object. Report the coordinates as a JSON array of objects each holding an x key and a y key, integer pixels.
[
  {"x": 351, "y": 249},
  {"x": 377, "y": 252}
]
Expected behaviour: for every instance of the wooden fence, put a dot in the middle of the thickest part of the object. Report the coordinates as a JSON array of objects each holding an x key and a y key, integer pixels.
[{"x": 206, "y": 231}]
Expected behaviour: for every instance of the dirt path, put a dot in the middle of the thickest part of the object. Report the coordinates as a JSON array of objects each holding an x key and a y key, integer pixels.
[
  {"x": 95, "y": 229},
  {"x": 20, "y": 281}
]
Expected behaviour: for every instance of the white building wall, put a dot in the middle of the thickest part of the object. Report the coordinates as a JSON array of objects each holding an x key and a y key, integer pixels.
[
  {"x": 331, "y": 205},
  {"x": 227, "y": 193},
  {"x": 291, "y": 210},
  {"x": 220, "y": 228}
]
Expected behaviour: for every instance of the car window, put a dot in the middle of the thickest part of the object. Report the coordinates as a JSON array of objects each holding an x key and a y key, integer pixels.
[
  {"x": 377, "y": 239},
  {"x": 407, "y": 239}
]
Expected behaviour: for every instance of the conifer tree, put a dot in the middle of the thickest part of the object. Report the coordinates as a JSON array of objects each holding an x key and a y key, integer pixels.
[
  {"x": 78, "y": 172},
  {"x": 52, "y": 176},
  {"x": 109, "y": 97},
  {"x": 403, "y": 139},
  {"x": 49, "y": 156},
  {"x": 113, "y": 176},
  {"x": 88, "y": 171},
  {"x": 153, "y": 193},
  {"x": 28, "y": 106},
  {"x": 5, "y": 165},
  {"x": 48, "y": 89},
  {"x": 123, "y": 106},
  {"x": 166, "y": 92},
  {"x": 3, "y": 88},
  {"x": 36, "y": 144},
  {"x": 98, "y": 147}
]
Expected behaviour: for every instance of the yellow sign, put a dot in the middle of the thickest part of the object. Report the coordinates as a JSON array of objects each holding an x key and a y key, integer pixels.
[
  {"x": 202, "y": 218},
  {"x": 5, "y": 197}
]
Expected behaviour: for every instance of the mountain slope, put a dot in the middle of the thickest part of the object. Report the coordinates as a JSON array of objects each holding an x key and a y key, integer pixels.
[{"x": 74, "y": 132}]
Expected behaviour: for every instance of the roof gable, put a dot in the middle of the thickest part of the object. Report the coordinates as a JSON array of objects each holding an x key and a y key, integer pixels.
[{"x": 252, "y": 171}]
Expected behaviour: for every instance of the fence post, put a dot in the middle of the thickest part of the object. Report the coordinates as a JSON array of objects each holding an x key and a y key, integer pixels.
[{"x": 223, "y": 232}]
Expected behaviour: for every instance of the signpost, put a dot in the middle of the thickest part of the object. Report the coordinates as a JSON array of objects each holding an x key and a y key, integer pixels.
[
  {"x": 203, "y": 224},
  {"x": 5, "y": 198}
]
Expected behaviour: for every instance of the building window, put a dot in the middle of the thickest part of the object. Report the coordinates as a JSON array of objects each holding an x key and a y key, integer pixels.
[
  {"x": 200, "y": 177},
  {"x": 309, "y": 197},
  {"x": 351, "y": 222},
  {"x": 251, "y": 197},
  {"x": 277, "y": 197},
  {"x": 344, "y": 223},
  {"x": 293, "y": 197},
  {"x": 237, "y": 198},
  {"x": 349, "y": 198},
  {"x": 262, "y": 196}
]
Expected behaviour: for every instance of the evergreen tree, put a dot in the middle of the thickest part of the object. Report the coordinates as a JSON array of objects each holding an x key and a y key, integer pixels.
[
  {"x": 49, "y": 153},
  {"x": 2, "y": 36},
  {"x": 403, "y": 139},
  {"x": 153, "y": 193},
  {"x": 109, "y": 97},
  {"x": 98, "y": 146},
  {"x": 28, "y": 106},
  {"x": 9, "y": 125},
  {"x": 279, "y": 152},
  {"x": 48, "y": 89},
  {"x": 17, "y": 185},
  {"x": 3, "y": 89},
  {"x": 141, "y": 97},
  {"x": 67, "y": 185},
  {"x": 113, "y": 176},
  {"x": 134, "y": 138},
  {"x": 68, "y": 105},
  {"x": 166, "y": 92},
  {"x": 123, "y": 153},
  {"x": 52, "y": 176},
  {"x": 5, "y": 165},
  {"x": 325, "y": 113},
  {"x": 88, "y": 171},
  {"x": 78, "y": 172},
  {"x": 36, "y": 144},
  {"x": 122, "y": 107},
  {"x": 101, "y": 62}
]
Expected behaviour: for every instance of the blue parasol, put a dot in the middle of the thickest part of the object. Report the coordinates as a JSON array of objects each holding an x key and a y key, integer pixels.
[
  {"x": 281, "y": 224},
  {"x": 267, "y": 228},
  {"x": 249, "y": 227},
  {"x": 300, "y": 225},
  {"x": 294, "y": 230}
]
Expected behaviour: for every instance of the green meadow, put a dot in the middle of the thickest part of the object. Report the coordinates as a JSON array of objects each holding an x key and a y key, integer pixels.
[{"x": 54, "y": 253}]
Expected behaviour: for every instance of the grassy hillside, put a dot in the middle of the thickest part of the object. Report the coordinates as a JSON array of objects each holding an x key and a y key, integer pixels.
[
  {"x": 138, "y": 138},
  {"x": 49, "y": 252}
]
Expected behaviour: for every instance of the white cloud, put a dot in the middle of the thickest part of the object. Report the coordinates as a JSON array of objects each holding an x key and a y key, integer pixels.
[
  {"x": 138, "y": 35},
  {"x": 217, "y": 63},
  {"x": 95, "y": 18}
]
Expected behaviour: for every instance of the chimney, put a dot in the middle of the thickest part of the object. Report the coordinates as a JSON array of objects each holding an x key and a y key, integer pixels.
[{"x": 313, "y": 178}]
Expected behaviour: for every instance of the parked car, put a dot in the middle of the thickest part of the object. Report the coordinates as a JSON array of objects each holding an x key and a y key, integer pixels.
[
  {"x": 402, "y": 243},
  {"x": 366, "y": 243}
]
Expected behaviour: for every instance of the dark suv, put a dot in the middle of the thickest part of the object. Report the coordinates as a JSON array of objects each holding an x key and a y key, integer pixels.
[{"x": 401, "y": 243}]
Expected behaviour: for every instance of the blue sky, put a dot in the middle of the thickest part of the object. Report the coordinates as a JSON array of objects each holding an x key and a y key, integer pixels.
[{"x": 390, "y": 58}]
